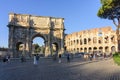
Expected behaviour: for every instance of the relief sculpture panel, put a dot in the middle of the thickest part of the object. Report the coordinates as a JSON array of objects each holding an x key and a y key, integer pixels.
[
  {"x": 19, "y": 20},
  {"x": 57, "y": 23},
  {"x": 20, "y": 34},
  {"x": 40, "y": 22}
]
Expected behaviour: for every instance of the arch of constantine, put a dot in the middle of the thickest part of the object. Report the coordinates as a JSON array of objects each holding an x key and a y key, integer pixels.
[
  {"x": 24, "y": 28},
  {"x": 102, "y": 40}
]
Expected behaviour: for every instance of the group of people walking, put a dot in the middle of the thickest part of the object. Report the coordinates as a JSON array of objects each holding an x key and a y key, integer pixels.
[
  {"x": 6, "y": 58},
  {"x": 68, "y": 58},
  {"x": 57, "y": 57},
  {"x": 94, "y": 56},
  {"x": 35, "y": 59}
]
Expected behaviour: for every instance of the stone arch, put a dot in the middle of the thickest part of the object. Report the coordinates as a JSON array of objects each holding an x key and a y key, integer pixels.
[
  {"x": 113, "y": 49},
  {"x": 89, "y": 40},
  {"x": 77, "y": 49},
  {"x": 100, "y": 49},
  {"x": 94, "y": 49},
  {"x": 55, "y": 47},
  {"x": 106, "y": 49},
  {"x": 80, "y": 41},
  {"x": 113, "y": 38},
  {"x": 81, "y": 49},
  {"x": 43, "y": 37},
  {"x": 74, "y": 42},
  {"x": 38, "y": 35},
  {"x": 51, "y": 29},
  {"x": 19, "y": 48},
  {"x": 77, "y": 41},
  {"x": 90, "y": 50},
  {"x": 85, "y": 41},
  {"x": 74, "y": 50},
  {"x": 94, "y": 40},
  {"x": 100, "y": 40},
  {"x": 85, "y": 49},
  {"x": 71, "y": 42}
]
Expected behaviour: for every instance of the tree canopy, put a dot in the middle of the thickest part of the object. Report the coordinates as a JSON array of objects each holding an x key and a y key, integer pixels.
[
  {"x": 110, "y": 9},
  {"x": 37, "y": 48}
]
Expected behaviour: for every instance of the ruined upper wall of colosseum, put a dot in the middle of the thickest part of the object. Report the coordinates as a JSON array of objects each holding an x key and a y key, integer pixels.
[{"x": 93, "y": 31}]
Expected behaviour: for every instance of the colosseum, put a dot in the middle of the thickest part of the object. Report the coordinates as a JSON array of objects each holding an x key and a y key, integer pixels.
[{"x": 98, "y": 40}]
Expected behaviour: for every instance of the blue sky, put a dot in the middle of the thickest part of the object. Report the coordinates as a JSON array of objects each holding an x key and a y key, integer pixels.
[{"x": 79, "y": 14}]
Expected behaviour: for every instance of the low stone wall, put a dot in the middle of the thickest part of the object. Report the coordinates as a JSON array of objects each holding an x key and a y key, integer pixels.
[{"x": 3, "y": 53}]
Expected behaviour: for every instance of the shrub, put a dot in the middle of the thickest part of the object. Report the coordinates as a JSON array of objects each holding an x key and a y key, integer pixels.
[{"x": 116, "y": 58}]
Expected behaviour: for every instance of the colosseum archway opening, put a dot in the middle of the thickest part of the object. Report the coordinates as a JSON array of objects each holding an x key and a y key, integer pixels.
[
  {"x": 100, "y": 49},
  {"x": 85, "y": 50},
  {"x": 81, "y": 49},
  {"x": 90, "y": 50},
  {"x": 95, "y": 50},
  {"x": 77, "y": 50},
  {"x": 85, "y": 41},
  {"x": 106, "y": 49},
  {"x": 113, "y": 50}
]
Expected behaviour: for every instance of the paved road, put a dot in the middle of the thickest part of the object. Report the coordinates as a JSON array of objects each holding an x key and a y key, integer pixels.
[{"x": 52, "y": 70}]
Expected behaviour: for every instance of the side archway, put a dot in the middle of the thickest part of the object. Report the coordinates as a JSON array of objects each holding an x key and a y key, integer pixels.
[
  {"x": 55, "y": 48},
  {"x": 20, "y": 48}
]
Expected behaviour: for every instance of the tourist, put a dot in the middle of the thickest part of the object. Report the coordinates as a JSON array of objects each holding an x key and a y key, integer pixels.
[
  {"x": 8, "y": 57},
  {"x": 4, "y": 59},
  {"x": 90, "y": 56},
  {"x": 59, "y": 58},
  {"x": 72, "y": 55},
  {"x": 111, "y": 54},
  {"x": 35, "y": 60},
  {"x": 55, "y": 57},
  {"x": 105, "y": 55},
  {"x": 68, "y": 57},
  {"x": 22, "y": 58},
  {"x": 94, "y": 56}
]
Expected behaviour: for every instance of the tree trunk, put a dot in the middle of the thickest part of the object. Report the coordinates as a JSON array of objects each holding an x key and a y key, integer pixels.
[{"x": 118, "y": 34}]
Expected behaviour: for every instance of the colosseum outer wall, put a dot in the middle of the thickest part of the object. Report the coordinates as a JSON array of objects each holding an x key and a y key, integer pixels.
[{"x": 102, "y": 40}]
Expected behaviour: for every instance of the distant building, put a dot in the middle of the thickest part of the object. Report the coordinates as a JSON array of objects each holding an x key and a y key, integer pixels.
[
  {"x": 3, "y": 51},
  {"x": 102, "y": 40}
]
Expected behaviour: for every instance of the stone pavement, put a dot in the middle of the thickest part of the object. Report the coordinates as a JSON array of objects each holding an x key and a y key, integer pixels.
[{"x": 47, "y": 69}]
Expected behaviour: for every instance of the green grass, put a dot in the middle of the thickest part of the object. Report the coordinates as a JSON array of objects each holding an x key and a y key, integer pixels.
[{"x": 116, "y": 58}]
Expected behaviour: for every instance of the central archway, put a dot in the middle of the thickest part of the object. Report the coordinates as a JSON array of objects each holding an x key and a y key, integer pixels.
[{"x": 38, "y": 46}]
